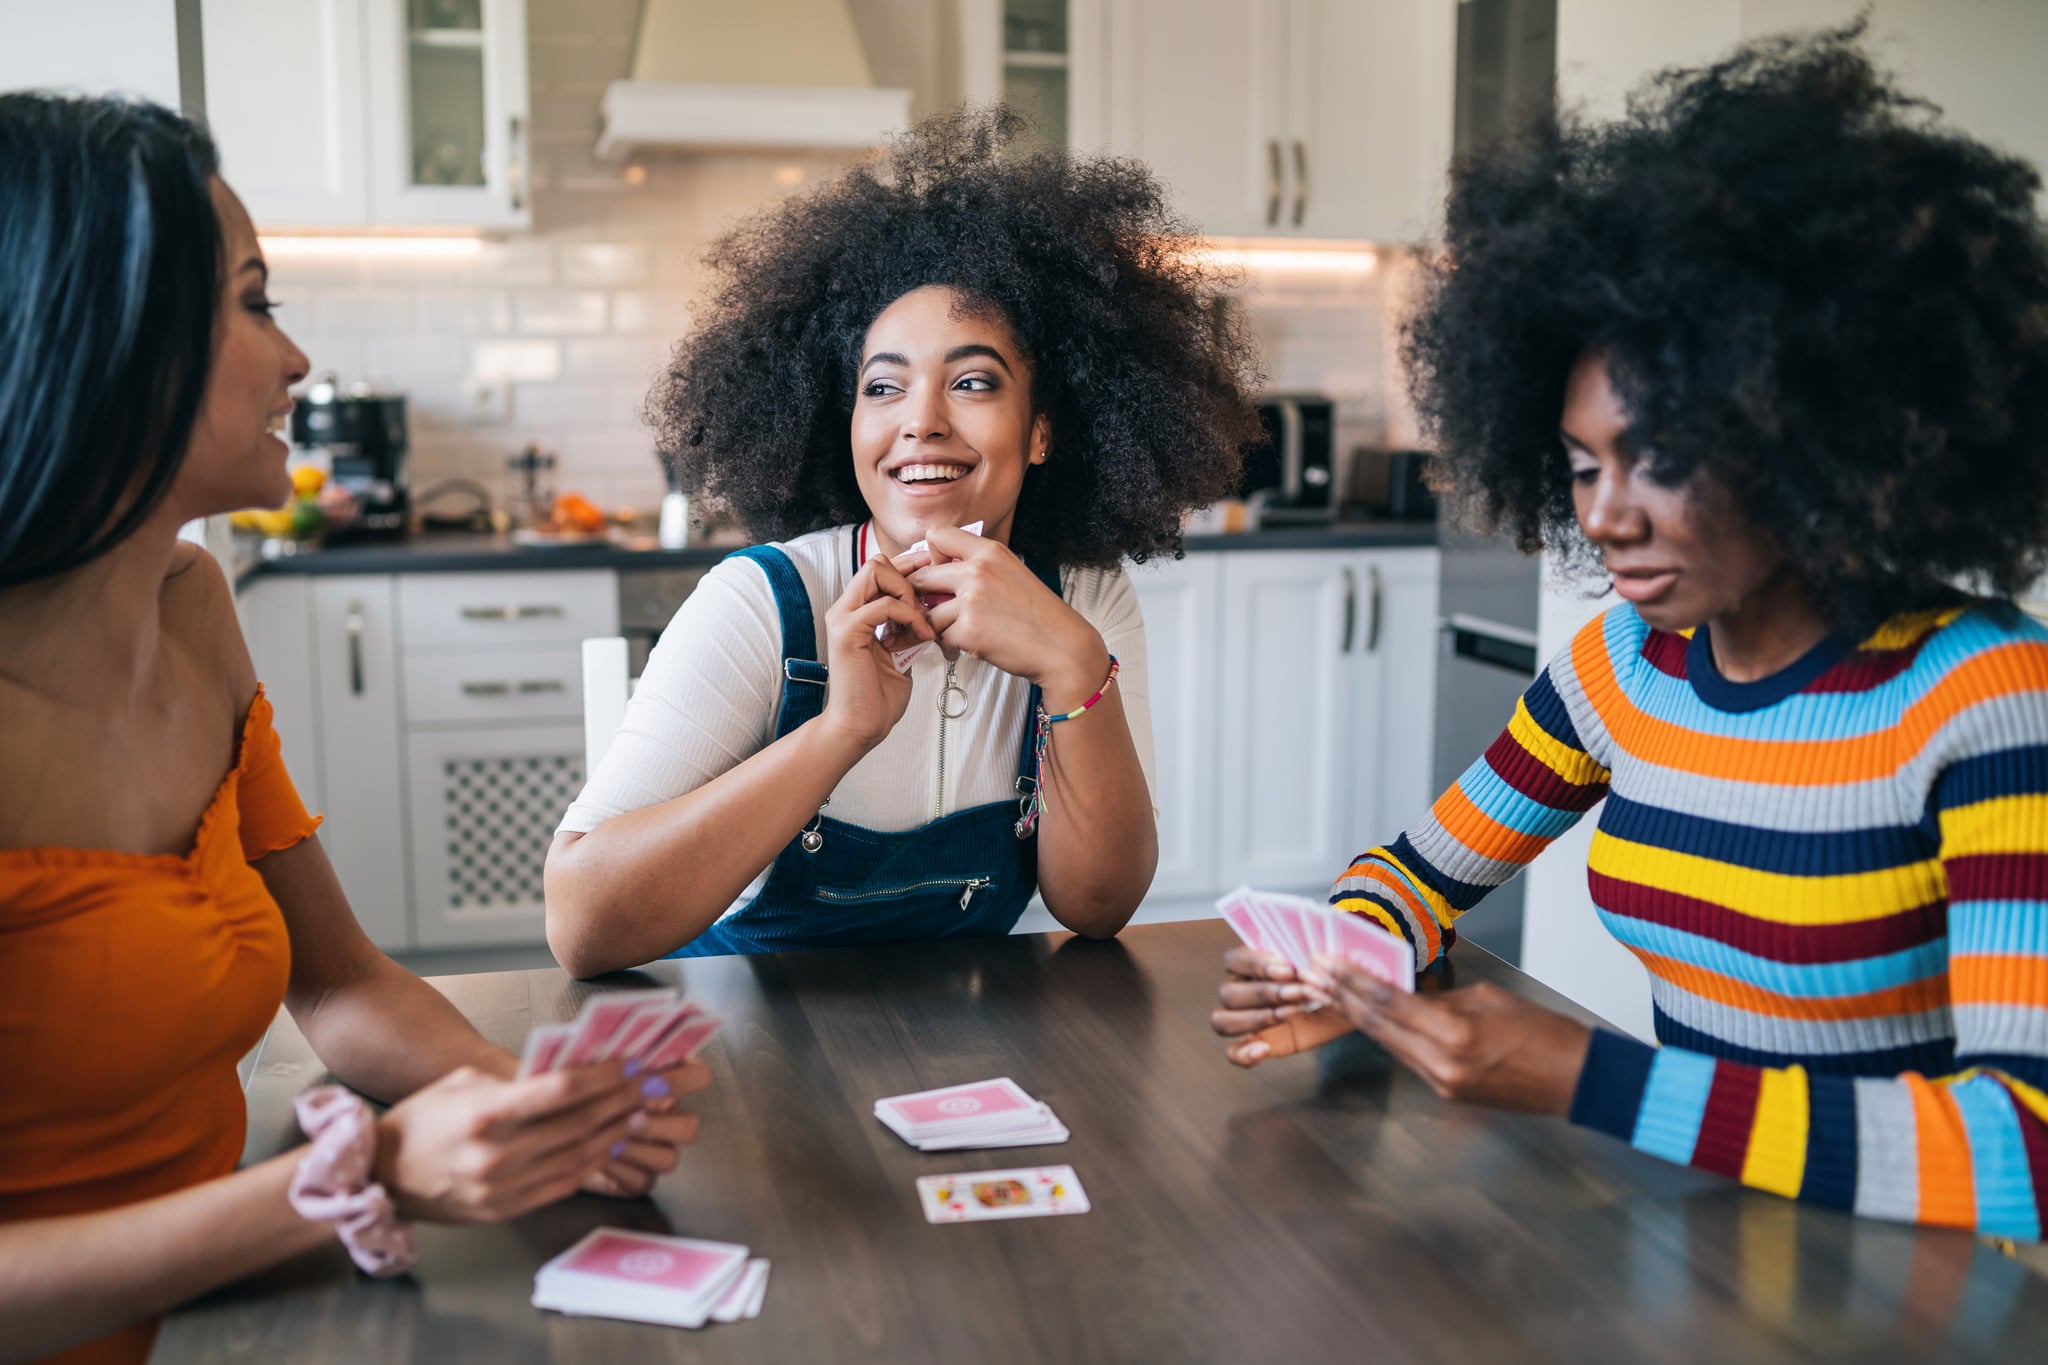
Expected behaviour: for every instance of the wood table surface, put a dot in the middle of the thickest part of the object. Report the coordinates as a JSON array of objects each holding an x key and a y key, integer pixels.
[{"x": 1313, "y": 1209}]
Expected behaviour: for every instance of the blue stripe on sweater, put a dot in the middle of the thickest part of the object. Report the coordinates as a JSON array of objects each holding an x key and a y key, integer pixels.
[
  {"x": 1830, "y": 1176},
  {"x": 1802, "y": 980},
  {"x": 1998, "y": 1161},
  {"x": 1838, "y": 853},
  {"x": 1674, "y": 1102}
]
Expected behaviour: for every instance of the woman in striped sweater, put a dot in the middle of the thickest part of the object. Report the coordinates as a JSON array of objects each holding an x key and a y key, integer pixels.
[{"x": 1774, "y": 351}]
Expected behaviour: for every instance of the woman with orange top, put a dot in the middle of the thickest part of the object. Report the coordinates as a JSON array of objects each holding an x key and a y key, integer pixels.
[{"x": 162, "y": 890}]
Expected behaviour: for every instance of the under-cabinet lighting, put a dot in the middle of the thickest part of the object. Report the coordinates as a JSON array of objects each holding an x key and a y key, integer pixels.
[
  {"x": 1294, "y": 260},
  {"x": 373, "y": 248}
]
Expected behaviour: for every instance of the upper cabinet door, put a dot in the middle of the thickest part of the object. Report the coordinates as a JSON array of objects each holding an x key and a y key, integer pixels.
[
  {"x": 449, "y": 124},
  {"x": 1370, "y": 116},
  {"x": 1183, "y": 86},
  {"x": 284, "y": 98}
]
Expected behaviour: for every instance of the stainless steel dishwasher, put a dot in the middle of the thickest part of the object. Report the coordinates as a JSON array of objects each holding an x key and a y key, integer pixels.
[{"x": 648, "y": 599}]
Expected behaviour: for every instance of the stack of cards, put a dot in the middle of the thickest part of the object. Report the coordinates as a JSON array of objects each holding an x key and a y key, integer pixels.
[
  {"x": 1297, "y": 928},
  {"x": 993, "y": 1113},
  {"x": 902, "y": 657},
  {"x": 659, "y": 1029},
  {"x": 1028, "y": 1192},
  {"x": 645, "y": 1277}
]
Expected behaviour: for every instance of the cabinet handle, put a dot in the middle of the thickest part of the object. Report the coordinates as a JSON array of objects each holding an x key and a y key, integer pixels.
[
  {"x": 1372, "y": 629},
  {"x": 1350, "y": 608},
  {"x": 526, "y": 611},
  {"x": 355, "y": 648},
  {"x": 485, "y": 689},
  {"x": 486, "y": 613},
  {"x": 1274, "y": 174},
  {"x": 1300, "y": 180},
  {"x": 530, "y": 686},
  {"x": 531, "y": 610},
  {"x": 515, "y": 163}
]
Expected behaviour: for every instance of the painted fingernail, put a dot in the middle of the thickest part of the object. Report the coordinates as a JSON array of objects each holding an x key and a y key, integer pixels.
[
  {"x": 632, "y": 1068},
  {"x": 1319, "y": 981},
  {"x": 654, "y": 1088},
  {"x": 619, "y": 1147},
  {"x": 638, "y": 1122},
  {"x": 1292, "y": 992}
]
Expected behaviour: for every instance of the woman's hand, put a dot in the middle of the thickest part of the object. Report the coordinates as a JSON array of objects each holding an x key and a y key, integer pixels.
[
  {"x": 985, "y": 601},
  {"x": 654, "y": 1134},
  {"x": 1269, "y": 1011},
  {"x": 867, "y": 694},
  {"x": 1477, "y": 1043},
  {"x": 472, "y": 1148}
]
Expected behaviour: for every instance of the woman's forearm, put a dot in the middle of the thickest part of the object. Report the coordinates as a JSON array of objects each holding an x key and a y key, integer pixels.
[
  {"x": 69, "y": 1279},
  {"x": 645, "y": 882},
  {"x": 1098, "y": 842}
]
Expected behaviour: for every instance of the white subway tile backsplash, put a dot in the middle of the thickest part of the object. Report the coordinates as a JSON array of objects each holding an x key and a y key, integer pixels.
[
  {"x": 346, "y": 357},
  {"x": 614, "y": 358},
  {"x": 677, "y": 263},
  {"x": 666, "y": 311},
  {"x": 567, "y": 405},
  {"x": 560, "y": 310},
  {"x": 605, "y": 263},
  {"x": 405, "y": 362},
  {"x": 363, "y": 310},
  {"x": 520, "y": 361},
  {"x": 524, "y": 260},
  {"x": 462, "y": 310}
]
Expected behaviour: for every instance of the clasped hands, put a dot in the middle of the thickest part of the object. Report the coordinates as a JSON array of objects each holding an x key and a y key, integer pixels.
[
  {"x": 1473, "y": 1043},
  {"x": 967, "y": 595}
]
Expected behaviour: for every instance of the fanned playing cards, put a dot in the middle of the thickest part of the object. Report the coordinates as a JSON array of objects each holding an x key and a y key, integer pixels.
[
  {"x": 996, "y": 1113},
  {"x": 1298, "y": 929},
  {"x": 646, "y": 1277},
  {"x": 657, "y": 1028}
]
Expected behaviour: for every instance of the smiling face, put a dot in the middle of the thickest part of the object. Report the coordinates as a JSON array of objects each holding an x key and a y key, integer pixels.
[
  {"x": 236, "y": 457},
  {"x": 1680, "y": 555},
  {"x": 943, "y": 427}
]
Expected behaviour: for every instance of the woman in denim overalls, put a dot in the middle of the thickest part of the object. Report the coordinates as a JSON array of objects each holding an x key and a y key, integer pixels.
[{"x": 962, "y": 337}]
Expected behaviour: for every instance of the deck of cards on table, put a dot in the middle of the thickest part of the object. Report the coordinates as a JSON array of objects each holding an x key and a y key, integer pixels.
[
  {"x": 979, "y": 1196},
  {"x": 656, "y": 1028},
  {"x": 995, "y": 1113},
  {"x": 1298, "y": 929},
  {"x": 645, "y": 1277}
]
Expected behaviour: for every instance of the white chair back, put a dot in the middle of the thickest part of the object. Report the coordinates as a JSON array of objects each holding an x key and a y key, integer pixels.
[{"x": 605, "y": 688}]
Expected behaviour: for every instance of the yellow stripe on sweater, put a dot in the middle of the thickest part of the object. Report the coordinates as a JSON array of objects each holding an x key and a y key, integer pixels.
[
  {"x": 1777, "y": 1138},
  {"x": 1777, "y": 897},
  {"x": 1575, "y": 766},
  {"x": 2004, "y": 824}
]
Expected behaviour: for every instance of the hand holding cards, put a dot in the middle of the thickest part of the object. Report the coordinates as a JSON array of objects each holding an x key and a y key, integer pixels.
[
  {"x": 657, "y": 1029},
  {"x": 644, "y": 1277},
  {"x": 1298, "y": 929},
  {"x": 993, "y": 1113}
]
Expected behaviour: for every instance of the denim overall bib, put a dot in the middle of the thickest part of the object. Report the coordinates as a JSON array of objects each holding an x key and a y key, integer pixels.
[{"x": 963, "y": 874}]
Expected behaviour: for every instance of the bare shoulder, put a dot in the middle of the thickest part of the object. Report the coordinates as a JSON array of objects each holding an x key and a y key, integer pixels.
[{"x": 199, "y": 620}]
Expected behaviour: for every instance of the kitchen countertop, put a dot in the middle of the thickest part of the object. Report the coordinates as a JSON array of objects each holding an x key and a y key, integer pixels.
[
  {"x": 468, "y": 552},
  {"x": 1315, "y": 1208}
]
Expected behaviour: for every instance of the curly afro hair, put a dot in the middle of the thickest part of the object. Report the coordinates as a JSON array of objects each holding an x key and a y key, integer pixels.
[
  {"x": 1140, "y": 375},
  {"x": 1806, "y": 291}
]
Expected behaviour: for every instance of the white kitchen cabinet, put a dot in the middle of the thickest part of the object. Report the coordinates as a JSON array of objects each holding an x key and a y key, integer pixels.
[
  {"x": 1391, "y": 680},
  {"x": 276, "y": 614},
  {"x": 356, "y": 682},
  {"x": 1312, "y": 118},
  {"x": 1179, "y": 600},
  {"x": 350, "y": 113},
  {"x": 485, "y": 804}
]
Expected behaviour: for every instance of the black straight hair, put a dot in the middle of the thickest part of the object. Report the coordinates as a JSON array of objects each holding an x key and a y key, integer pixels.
[{"x": 110, "y": 266}]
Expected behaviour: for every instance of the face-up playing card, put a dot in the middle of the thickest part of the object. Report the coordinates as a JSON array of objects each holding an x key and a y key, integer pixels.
[{"x": 980, "y": 1196}]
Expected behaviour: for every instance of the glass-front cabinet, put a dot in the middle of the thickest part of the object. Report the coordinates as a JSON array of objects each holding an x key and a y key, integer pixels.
[
  {"x": 449, "y": 117},
  {"x": 1036, "y": 70}
]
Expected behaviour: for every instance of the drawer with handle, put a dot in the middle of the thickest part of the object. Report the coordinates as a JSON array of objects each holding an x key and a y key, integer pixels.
[
  {"x": 437, "y": 611},
  {"x": 494, "y": 685}
]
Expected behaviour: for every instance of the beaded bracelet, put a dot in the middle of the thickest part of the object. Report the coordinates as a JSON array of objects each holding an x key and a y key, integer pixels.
[{"x": 1033, "y": 801}]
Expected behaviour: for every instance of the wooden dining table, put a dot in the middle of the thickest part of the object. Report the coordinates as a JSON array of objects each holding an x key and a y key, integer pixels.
[{"x": 1316, "y": 1208}]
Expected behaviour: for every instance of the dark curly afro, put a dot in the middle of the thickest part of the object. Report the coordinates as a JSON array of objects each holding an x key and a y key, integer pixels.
[
  {"x": 1806, "y": 291},
  {"x": 1140, "y": 375}
]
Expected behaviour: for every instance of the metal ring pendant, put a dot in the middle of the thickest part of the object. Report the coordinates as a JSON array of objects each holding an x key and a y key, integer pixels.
[{"x": 946, "y": 696}]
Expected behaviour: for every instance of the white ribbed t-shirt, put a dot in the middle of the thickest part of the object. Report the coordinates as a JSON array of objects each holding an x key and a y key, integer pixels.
[{"x": 713, "y": 686}]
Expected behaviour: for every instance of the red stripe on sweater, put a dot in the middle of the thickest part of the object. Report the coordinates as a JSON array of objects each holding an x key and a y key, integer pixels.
[
  {"x": 1998, "y": 877},
  {"x": 1723, "y": 1143},
  {"x": 1665, "y": 652},
  {"x": 1537, "y": 780},
  {"x": 1864, "y": 669},
  {"x": 2034, "y": 1137},
  {"x": 1778, "y": 942}
]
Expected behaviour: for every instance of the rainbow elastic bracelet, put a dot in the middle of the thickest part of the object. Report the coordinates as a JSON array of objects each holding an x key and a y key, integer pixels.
[{"x": 1033, "y": 801}]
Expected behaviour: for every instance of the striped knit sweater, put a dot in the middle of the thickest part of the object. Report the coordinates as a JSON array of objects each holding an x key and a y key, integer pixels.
[{"x": 1838, "y": 879}]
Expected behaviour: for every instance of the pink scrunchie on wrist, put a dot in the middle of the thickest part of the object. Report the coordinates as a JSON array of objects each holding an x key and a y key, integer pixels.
[{"x": 332, "y": 1184}]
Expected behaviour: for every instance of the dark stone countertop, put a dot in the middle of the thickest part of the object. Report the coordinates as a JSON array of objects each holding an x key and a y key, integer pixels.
[{"x": 468, "y": 552}]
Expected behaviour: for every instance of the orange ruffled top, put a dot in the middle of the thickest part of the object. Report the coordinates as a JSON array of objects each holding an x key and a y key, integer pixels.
[{"x": 130, "y": 986}]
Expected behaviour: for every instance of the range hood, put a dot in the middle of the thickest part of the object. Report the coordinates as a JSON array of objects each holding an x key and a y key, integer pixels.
[{"x": 782, "y": 74}]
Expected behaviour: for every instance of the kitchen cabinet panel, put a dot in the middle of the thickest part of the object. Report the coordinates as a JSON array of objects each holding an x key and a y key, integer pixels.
[
  {"x": 1180, "y": 600},
  {"x": 1391, "y": 690},
  {"x": 502, "y": 610},
  {"x": 485, "y": 805},
  {"x": 494, "y": 686},
  {"x": 277, "y": 624},
  {"x": 355, "y": 668},
  {"x": 1290, "y": 620}
]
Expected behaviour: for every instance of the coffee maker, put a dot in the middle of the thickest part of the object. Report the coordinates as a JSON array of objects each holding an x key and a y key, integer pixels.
[
  {"x": 362, "y": 433},
  {"x": 1288, "y": 476}
]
